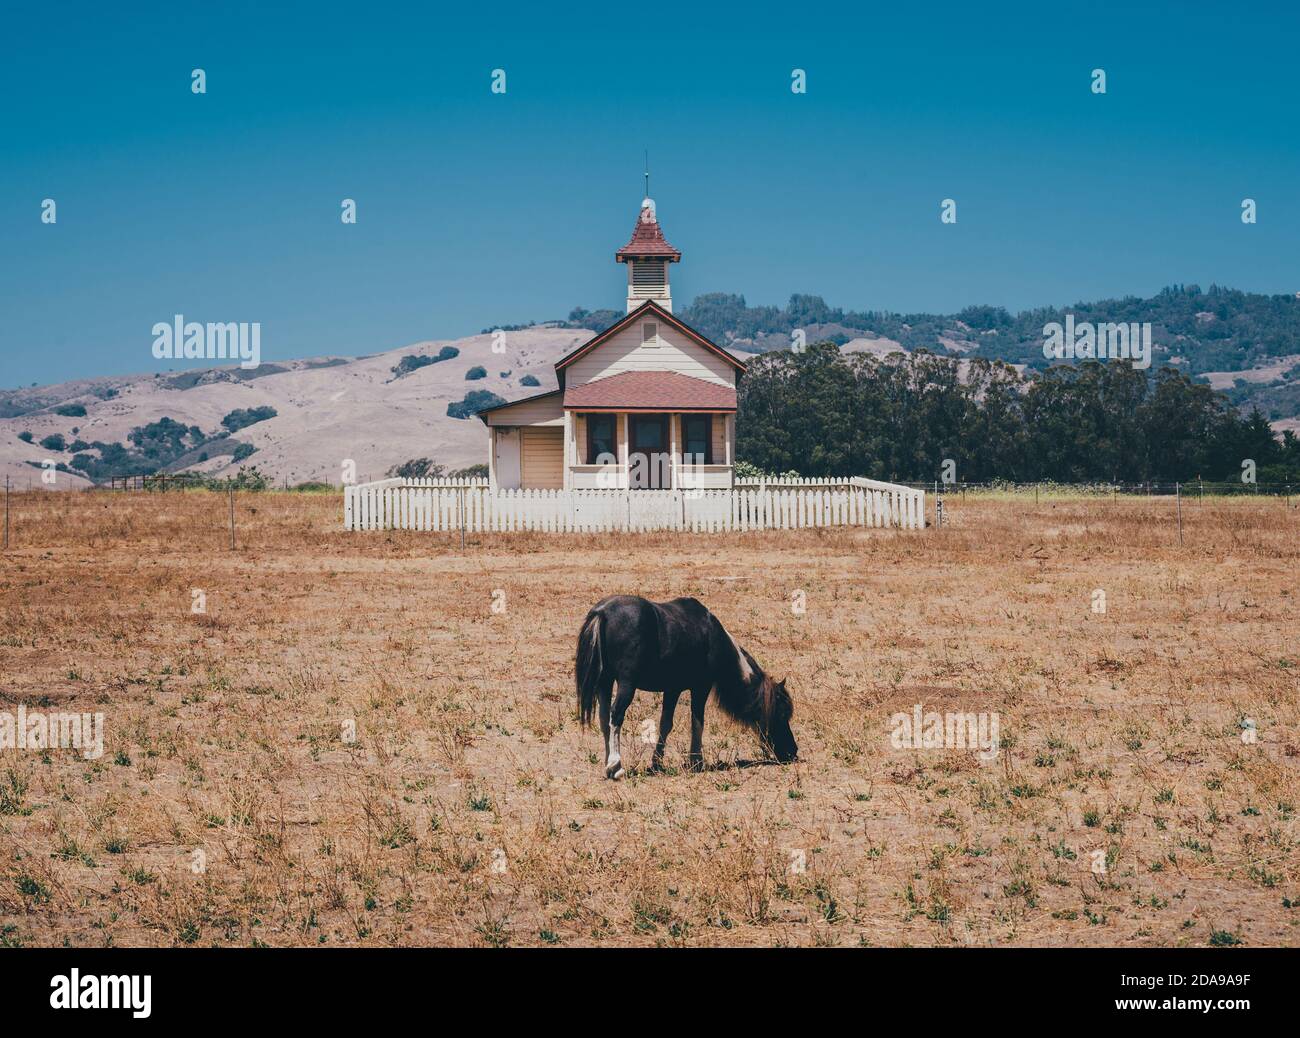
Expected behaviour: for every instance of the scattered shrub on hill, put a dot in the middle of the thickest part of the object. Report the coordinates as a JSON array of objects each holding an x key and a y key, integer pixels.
[
  {"x": 242, "y": 451},
  {"x": 475, "y": 373},
  {"x": 71, "y": 411},
  {"x": 242, "y": 418},
  {"x": 529, "y": 380},
  {"x": 151, "y": 449},
  {"x": 25, "y": 436},
  {"x": 414, "y": 362},
  {"x": 471, "y": 472},
  {"x": 54, "y": 442},
  {"x": 475, "y": 401},
  {"x": 164, "y": 440}
]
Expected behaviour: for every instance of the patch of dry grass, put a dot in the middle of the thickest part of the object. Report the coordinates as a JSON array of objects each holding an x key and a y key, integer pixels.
[{"x": 230, "y": 806}]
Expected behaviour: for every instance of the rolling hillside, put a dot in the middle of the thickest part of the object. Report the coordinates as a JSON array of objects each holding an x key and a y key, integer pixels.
[
  {"x": 326, "y": 410},
  {"x": 299, "y": 420}
]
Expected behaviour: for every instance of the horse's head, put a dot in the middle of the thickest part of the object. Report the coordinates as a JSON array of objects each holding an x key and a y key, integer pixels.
[{"x": 774, "y": 728}]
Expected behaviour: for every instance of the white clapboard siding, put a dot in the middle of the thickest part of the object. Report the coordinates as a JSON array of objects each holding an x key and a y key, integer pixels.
[
  {"x": 669, "y": 350},
  {"x": 470, "y": 504}
]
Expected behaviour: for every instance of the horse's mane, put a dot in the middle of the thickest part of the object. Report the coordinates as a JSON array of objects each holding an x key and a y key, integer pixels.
[{"x": 744, "y": 692}]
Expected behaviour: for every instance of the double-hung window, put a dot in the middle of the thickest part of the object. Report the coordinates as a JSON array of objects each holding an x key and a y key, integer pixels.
[
  {"x": 600, "y": 438},
  {"x": 697, "y": 438}
]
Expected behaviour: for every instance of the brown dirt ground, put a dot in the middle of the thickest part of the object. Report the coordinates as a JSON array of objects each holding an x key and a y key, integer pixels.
[{"x": 471, "y": 808}]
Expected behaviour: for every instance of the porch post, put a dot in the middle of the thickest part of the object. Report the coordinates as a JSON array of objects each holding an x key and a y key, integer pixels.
[
  {"x": 568, "y": 449},
  {"x": 729, "y": 440},
  {"x": 673, "y": 421},
  {"x": 492, "y": 457},
  {"x": 621, "y": 420}
]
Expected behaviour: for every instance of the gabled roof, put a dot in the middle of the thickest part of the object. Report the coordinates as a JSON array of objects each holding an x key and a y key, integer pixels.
[
  {"x": 648, "y": 239},
  {"x": 645, "y": 390},
  {"x": 649, "y": 307},
  {"x": 511, "y": 403}
]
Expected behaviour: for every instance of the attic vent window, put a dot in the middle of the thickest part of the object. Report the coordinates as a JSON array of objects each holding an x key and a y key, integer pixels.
[
  {"x": 649, "y": 277},
  {"x": 650, "y": 333}
]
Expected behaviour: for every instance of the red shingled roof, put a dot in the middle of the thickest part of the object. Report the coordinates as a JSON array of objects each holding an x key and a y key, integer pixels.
[
  {"x": 650, "y": 390},
  {"x": 647, "y": 240}
]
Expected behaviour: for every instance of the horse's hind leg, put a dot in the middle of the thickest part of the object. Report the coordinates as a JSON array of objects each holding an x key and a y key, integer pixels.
[
  {"x": 665, "y": 726},
  {"x": 699, "y": 696},
  {"x": 613, "y": 755},
  {"x": 604, "y": 692}
]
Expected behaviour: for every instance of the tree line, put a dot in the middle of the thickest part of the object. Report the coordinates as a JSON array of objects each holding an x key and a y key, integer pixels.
[
  {"x": 820, "y": 412},
  {"x": 1217, "y": 329}
]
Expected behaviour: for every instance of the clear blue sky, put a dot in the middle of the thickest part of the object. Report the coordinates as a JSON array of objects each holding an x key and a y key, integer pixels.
[{"x": 477, "y": 209}]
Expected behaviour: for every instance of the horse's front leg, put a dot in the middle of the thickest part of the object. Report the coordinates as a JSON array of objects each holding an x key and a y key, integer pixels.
[
  {"x": 699, "y": 696},
  {"x": 665, "y": 726},
  {"x": 614, "y": 757}
]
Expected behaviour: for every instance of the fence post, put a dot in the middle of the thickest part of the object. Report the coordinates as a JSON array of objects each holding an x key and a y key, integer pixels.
[
  {"x": 462, "y": 518},
  {"x": 1178, "y": 489},
  {"x": 6, "y": 513},
  {"x": 230, "y": 487}
]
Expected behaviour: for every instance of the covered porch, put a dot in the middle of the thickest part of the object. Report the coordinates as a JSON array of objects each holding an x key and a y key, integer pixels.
[
  {"x": 649, "y": 430},
  {"x": 643, "y": 430},
  {"x": 648, "y": 450}
]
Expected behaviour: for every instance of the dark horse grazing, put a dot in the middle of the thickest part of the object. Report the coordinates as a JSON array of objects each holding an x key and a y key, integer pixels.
[{"x": 669, "y": 647}]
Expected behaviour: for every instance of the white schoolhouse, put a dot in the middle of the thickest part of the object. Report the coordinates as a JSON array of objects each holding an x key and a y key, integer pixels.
[{"x": 649, "y": 403}]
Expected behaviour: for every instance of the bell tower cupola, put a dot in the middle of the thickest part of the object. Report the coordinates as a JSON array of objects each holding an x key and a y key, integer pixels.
[{"x": 647, "y": 257}]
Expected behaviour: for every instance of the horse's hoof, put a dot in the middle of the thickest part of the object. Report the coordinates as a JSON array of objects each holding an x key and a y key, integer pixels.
[{"x": 614, "y": 771}]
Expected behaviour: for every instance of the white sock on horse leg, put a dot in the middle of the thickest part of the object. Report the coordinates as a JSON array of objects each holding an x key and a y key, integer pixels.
[{"x": 615, "y": 754}]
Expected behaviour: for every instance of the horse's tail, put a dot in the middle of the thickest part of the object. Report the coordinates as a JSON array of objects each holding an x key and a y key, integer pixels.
[{"x": 587, "y": 666}]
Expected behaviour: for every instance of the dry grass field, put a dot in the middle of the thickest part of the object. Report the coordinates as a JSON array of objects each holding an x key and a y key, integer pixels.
[{"x": 232, "y": 807}]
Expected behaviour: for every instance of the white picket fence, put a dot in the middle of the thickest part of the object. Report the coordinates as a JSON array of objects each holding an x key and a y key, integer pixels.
[{"x": 404, "y": 504}]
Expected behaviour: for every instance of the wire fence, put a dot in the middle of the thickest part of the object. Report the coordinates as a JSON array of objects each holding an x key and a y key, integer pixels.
[
  {"x": 1193, "y": 490},
  {"x": 160, "y": 481}
]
